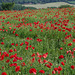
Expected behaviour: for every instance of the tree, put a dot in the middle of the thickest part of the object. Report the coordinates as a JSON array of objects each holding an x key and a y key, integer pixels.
[{"x": 7, "y": 6}]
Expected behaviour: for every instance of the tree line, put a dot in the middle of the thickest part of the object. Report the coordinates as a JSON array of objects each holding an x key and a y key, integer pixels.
[{"x": 32, "y": 1}]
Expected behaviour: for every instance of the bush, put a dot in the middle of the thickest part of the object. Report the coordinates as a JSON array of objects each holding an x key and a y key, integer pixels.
[
  {"x": 31, "y": 8},
  {"x": 20, "y": 7},
  {"x": 65, "y": 6},
  {"x": 52, "y": 7},
  {"x": 7, "y": 6},
  {"x": 12, "y": 6}
]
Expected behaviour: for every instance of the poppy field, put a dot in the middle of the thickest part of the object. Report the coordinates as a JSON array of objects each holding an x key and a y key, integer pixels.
[{"x": 37, "y": 42}]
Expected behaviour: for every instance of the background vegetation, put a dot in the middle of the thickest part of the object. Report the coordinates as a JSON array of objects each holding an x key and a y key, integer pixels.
[{"x": 35, "y": 1}]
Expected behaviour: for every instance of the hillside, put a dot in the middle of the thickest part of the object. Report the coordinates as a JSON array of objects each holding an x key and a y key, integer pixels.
[{"x": 35, "y": 1}]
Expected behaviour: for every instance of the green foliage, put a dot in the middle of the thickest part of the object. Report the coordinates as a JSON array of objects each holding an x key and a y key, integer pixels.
[
  {"x": 65, "y": 6},
  {"x": 7, "y": 6},
  {"x": 20, "y": 7},
  {"x": 34, "y": 1},
  {"x": 52, "y": 7}
]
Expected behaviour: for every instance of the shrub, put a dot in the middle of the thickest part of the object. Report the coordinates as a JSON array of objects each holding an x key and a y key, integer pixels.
[
  {"x": 7, "y": 6},
  {"x": 20, "y": 7},
  {"x": 65, "y": 6},
  {"x": 52, "y": 7},
  {"x": 31, "y": 8}
]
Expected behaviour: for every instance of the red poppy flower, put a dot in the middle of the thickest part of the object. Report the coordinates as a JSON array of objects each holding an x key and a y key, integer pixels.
[
  {"x": 16, "y": 44},
  {"x": 53, "y": 72},
  {"x": 0, "y": 49},
  {"x": 33, "y": 48},
  {"x": 16, "y": 34},
  {"x": 12, "y": 44},
  {"x": 61, "y": 56},
  {"x": 45, "y": 61},
  {"x": 30, "y": 46},
  {"x": 20, "y": 58},
  {"x": 10, "y": 50},
  {"x": 30, "y": 30},
  {"x": 59, "y": 68},
  {"x": 58, "y": 72},
  {"x": 2, "y": 43},
  {"x": 48, "y": 66},
  {"x": 70, "y": 44},
  {"x": 2, "y": 67},
  {"x": 0, "y": 29},
  {"x": 12, "y": 56},
  {"x": 21, "y": 44},
  {"x": 32, "y": 70},
  {"x": 62, "y": 63},
  {"x": 23, "y": 64},
  {"x": 73, "y": 40},
  {"x": 56, "y": 69},
  {"x": 27, "y": 38},
  {"x": 26, "y": 43},
  {"x": 14, "y": 60},
  {"x": 40, "y": 61},
  {"x": 50, "y": 63},
  {"x": 7, "y": 61},
  {"x": 33, "y": 55},
  {"x": 44, "y": 55},
  {"x": 73, "y": 49},
  {"x": 26, "y": 48},
  {"x": 42, "y": 71},
  {"x": 6, "y": 55},
  {"x": 9, "y": 27},
  {"x": 4, "y": 73},
  {"x": 61, "y": 48},
  {"x": 72, "y": 67},
  {"x": 1, "y": 57},
  {"x": 15, "y": 50},
  {"x": 33, "y": 60},
  {"x": 17, "y": 68},
  {"x": 39, "y": 40},
  {"x": 13, "y": 32},
  {"x": 15, "y": 64}
]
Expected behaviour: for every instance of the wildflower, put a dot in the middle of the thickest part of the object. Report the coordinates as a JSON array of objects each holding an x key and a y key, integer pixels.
[
  {"x": 59, "y": 68},
  {"x": 53, "y": 72},
  {"x": 17, "y": 68},
  {"x": 61, "y": 56},
  {"x": 32, "y": 70},
  {"x": 72, "y": 67},
  {"x": 61, "y": 48},
  {"x": 62, "y": 63},
  {"x": 73, "y": 40},
  {"x": 42, "y": 71},
  {"x": 23, "y": 64},
  {"x": 4, "y": 73},
  {"x": 2, "y": 43}
]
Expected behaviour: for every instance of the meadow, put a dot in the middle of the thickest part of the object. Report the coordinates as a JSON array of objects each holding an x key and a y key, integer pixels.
[{"x": 37, "y": 42}]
